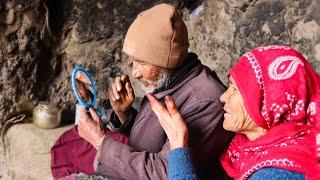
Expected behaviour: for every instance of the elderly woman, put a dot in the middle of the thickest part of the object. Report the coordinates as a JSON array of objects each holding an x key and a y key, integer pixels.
[{"x": 272, "y": 104}]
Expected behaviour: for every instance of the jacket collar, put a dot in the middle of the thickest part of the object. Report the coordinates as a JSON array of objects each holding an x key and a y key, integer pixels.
[{"x": 181, "y": 75}]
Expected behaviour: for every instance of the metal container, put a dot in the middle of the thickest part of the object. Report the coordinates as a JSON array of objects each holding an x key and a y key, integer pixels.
[{"x": 46, "y": 115}]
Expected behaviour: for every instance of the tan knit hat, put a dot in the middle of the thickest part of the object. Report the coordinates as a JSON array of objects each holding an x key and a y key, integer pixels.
[{"x": 158, "y": 36}]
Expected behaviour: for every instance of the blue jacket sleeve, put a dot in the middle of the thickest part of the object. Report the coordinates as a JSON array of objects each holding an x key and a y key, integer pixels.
[
  {"x": 276, "y": 174},
  {"x": 180, "y": 165}
]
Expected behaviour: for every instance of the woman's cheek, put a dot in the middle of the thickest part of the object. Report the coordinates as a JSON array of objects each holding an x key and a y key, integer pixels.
[
  {"x": 230, "y": 124},
  {"x": 239, "y": 122}
]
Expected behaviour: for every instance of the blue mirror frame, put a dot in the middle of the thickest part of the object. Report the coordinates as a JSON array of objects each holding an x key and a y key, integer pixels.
[{"x": 75, "y": 90}]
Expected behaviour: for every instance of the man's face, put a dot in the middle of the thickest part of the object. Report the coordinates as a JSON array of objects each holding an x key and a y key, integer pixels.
[{"x": 150, "y": 76}]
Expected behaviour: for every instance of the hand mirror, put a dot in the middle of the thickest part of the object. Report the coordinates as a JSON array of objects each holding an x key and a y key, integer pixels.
[{"x": 84, "y": 87}]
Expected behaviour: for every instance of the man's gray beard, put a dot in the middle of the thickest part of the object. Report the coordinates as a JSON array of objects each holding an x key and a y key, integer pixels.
[{"x": 164, "y": 78}]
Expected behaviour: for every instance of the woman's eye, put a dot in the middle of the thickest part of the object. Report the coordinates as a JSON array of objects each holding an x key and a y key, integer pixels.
[{"x": 234, "y": 88}]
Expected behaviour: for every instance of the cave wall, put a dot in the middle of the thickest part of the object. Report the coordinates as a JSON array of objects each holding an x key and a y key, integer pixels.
[
  {"x": 42, "y": 40},
  {"x": 224, "y": 30}
]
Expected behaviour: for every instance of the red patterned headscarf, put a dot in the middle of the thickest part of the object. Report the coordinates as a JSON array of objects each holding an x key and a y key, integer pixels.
[{"x": 281, "y": 93}]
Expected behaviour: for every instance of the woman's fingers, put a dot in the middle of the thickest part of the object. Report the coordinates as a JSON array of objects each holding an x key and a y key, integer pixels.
[
  {"x": 171, "y": 121},
  {"x": 171, "y": 105},
  {"x": 157, "y": 107},
  {"x": 161, "y": 113}
]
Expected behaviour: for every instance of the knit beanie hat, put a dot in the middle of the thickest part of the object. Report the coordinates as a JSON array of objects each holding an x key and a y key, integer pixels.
[{"x": 158, "y": 36}]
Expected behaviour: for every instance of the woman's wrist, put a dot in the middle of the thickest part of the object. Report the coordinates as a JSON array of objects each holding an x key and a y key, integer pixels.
[
  {"x": 180, "y": 142},
  {"x": 175, "y": 146}
]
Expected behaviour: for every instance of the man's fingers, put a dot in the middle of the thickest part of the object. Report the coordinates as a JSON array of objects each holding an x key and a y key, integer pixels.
[
  {"x": 83, "y": 77},
  {"x": 80, "y": 75},
  {"x": 171, "y": 105},
  {"x": 110, "y": 94},
  {"x": 118, "y": 83},
  {"x": 128, "y": 87},
  {"x": 80, "y": 130},
  {"x": 115, "y": 92},
  {"x": 82, "y": 126},
  {"x": 83, "y": 113},
  {"x": 124, "y": 78},
  {"x": 94, "y": 115},
  {"x": 129, "y": 90}
]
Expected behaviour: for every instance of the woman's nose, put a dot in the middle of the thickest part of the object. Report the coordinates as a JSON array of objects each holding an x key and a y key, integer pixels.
[{"x": 224, "y": 96}]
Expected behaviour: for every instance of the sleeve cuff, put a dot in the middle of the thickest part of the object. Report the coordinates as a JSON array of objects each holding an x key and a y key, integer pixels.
[
  {"x": 97, "y": 159},
  {"x": 180, "y": 161},
  {"x": 108, "y": 155},
  {"x": 117, "y": 125}
]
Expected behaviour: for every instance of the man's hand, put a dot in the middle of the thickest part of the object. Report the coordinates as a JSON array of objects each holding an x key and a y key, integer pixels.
[
  {"x": 83, "y": 78},
  {"x": 121, "y": 96},
  {"x": 171, "y": 121},
  {"x": 91, "y": 129}
]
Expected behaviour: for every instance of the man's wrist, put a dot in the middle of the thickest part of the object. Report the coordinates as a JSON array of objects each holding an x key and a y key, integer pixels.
[
  {"x": 100, "y": 141},
  {"x": 123, "y": 115}
]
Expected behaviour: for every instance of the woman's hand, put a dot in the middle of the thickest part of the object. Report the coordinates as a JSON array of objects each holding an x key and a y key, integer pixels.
[{"x": 171, "y": 121}]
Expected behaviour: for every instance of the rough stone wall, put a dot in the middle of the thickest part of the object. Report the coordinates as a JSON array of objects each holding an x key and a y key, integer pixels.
[
  {"x": 24, "y": 57},
  {"x": 224, "y": 30},
  {"x": 42, "y": 40}
]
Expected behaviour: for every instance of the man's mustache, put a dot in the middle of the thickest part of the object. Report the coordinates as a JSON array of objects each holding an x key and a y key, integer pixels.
[{"x": 145, "y": 82}]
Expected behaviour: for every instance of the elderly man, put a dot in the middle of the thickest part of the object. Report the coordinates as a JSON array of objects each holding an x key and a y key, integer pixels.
[{"x": 157, "y": 44}]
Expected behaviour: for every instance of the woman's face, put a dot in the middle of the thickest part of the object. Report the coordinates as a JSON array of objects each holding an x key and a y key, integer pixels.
[{"x": 236, "y": 118}]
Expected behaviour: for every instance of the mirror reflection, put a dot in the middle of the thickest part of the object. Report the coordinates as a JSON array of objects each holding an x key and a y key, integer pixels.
[{"x": 84, "y": 87}]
